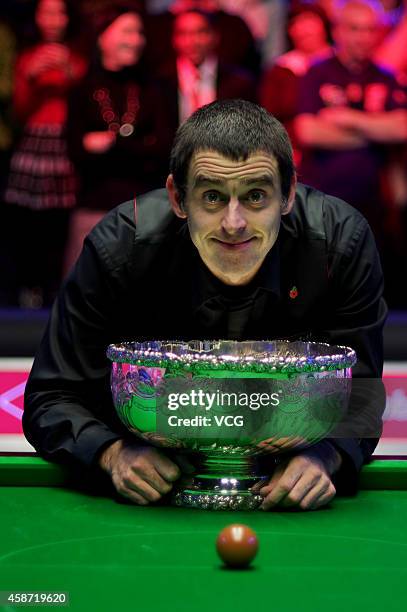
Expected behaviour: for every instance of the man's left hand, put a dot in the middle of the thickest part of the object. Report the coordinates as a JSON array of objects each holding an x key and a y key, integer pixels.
[{"x": 302, "y": 481}]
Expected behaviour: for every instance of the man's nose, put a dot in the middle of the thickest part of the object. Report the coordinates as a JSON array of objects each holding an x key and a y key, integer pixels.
[{"x": 233, "y": 221}]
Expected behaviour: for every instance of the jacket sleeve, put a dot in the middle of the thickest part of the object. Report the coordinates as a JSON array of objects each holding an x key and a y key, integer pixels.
[
  {"x": 358, "y": 315},
  {"x": 69, "y": 416}
]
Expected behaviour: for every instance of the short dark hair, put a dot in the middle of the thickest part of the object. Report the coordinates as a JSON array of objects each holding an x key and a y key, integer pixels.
[{"x": 236, "y": 129}]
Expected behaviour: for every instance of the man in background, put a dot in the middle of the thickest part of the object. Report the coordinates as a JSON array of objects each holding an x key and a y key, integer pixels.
[
  {"x": 349, "y": 110},
  {"x": 350, "y": 114},
  {"x": 198, "y": 75}
]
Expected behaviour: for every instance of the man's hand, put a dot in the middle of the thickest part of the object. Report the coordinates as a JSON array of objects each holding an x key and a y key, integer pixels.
[
  {"x": 302, "y": 481},
  {"x": 143, "y": 474}
]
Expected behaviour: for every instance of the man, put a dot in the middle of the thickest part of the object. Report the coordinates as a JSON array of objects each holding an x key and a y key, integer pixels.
[
  {"x": 198, "y": 75},
  {"x": 217, "y": 256},
  {"x": 349, "y": 109},
  {"x": 231, "y": 28}
]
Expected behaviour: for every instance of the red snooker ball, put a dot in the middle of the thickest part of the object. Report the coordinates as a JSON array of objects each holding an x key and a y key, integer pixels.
[{"x": 237, "y": 545}]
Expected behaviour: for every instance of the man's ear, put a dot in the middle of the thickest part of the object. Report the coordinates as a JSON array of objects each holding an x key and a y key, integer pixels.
[
  {"x": 174, "y": 197},
  {"x": 289, "y": 203}
]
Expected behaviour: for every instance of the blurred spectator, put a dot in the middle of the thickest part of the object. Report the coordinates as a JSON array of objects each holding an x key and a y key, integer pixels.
[
  {"x": 7, "y": 53},
  {"x": 394, "y": 11},
  {"x": 309, "y": 34},
  {"x": 236, "y": 44},
  {"x": 119, "y": 137},
  {"x": 198, "y": 76},
  {"x": 41, "y": 185},
  {"x": 266, "y": 20},
  {"x": 392, "y": 52},
  {"x": 349, "y": 109}
]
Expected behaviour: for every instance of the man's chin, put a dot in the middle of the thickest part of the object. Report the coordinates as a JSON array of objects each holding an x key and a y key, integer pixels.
[{"x": 232, "y": 278}]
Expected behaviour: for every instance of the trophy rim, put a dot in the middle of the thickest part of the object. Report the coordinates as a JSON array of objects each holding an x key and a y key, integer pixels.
[{"x": 271, "y": 356}]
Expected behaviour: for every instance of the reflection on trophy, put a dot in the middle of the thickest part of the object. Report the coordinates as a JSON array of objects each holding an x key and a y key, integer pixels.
[{"x": 235, "y": 408}]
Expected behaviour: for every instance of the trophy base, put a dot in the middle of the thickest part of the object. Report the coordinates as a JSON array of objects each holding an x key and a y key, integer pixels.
[
  {"x": 221, "y": 484},
  {"x": 212, "y": 500}
]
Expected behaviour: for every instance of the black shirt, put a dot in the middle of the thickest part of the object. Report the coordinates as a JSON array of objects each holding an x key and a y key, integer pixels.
[{"x": 321, "y": 281}]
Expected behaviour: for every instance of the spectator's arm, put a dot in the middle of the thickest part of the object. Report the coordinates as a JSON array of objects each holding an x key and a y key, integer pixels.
[
  {"x": 388, "y": 127},
  {"x": 314, "y": 131},
  {"x": 385, "y": 127}
]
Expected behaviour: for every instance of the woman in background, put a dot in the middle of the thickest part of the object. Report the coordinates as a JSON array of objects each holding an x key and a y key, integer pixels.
[
  {"x": 118, "y": 135},
  {"x": 41, "y": 186}
]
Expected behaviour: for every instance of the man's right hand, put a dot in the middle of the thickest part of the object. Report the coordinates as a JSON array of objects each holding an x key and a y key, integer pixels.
[{"x": 143, "y": 474}]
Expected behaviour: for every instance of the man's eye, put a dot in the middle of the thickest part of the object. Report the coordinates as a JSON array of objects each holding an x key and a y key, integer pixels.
[
  {"x": 256, "y": 197},
  {"x": 212, "y": 197}
]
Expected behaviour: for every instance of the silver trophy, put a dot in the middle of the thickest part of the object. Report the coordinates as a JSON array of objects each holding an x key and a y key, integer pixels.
[{"x": 234, "y": 408}]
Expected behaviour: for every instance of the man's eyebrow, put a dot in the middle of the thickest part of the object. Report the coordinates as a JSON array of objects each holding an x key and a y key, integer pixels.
[
  {"x": 202, "y": 180},
  {"x": 264, "y": 179}
]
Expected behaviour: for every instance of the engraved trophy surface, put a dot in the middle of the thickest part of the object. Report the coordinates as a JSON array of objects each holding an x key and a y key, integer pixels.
[{"x": 235, "y": 408}]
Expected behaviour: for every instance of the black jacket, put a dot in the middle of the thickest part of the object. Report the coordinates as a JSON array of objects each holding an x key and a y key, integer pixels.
[{"x": 146, "y": 281}]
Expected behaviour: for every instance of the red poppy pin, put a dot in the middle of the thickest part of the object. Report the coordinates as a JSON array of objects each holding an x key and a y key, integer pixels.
[{"x": 293, "y": 293}]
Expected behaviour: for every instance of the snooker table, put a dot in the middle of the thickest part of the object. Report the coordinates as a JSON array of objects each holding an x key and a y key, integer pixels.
[{"x": 107, "y": 555}]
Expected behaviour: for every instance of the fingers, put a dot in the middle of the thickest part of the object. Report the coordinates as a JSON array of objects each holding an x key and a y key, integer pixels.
[
  {"x": 149, "y": 478},
  {"x": 313, "y": 500},
  {"x": 143, "y": 474},
  {"x": 164, "y": 466},
  {"x": 302, "y": 484},
  {"x": 259, "y": 485},
  {"x": 139, "y": 492},
  {"x": 280, "y": 485}
]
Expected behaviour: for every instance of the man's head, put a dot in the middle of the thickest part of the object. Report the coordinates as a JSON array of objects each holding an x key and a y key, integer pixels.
[
  {"x": 232, "y": 177},
  {"x": 194, "y": 36},
  {"x": 358, "y": 29}
]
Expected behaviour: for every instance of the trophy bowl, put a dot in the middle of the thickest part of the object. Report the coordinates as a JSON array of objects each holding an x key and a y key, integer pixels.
[{"x": 234, "y": 408}]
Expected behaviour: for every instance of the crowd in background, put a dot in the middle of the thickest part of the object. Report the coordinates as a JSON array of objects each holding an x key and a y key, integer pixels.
[{"x": 92, "y": 92}]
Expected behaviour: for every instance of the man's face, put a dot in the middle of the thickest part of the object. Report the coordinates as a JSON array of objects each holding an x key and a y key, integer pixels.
[
  {"x": 358, "y": 32},
  {"x": 194, "y": 38},
  {"x": 234, "y": 210}
]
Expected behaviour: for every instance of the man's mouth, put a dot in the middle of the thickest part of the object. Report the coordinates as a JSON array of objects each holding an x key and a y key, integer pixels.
[{"x": 235, "y": 245}]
